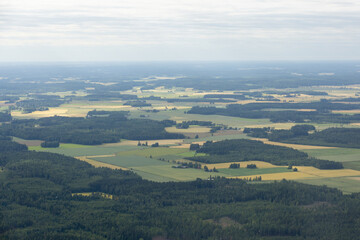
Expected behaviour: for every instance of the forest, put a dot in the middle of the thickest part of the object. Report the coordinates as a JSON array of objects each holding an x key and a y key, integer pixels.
[
  {"x": 39, "y": 195},
  {"x": 307, "y": 134},
  {"x": 245, "y": 150},
  {"x": 258, "y": 111},
  {"x": 97, "y": 128}
]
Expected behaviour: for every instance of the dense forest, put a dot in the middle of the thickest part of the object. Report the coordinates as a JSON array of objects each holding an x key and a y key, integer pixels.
[
  {"x": 39, "y": 199},
  {"x": 246, "y": 150},
  {"x": 5, "y": 117},
  {"x": 97, "y": 128},
  {"x": 307, "y": 134},
  {"x": 283, "y": 114}
]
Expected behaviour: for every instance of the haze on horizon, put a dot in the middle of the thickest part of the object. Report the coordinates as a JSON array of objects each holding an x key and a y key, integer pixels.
[{"x": 162, "y": 30}]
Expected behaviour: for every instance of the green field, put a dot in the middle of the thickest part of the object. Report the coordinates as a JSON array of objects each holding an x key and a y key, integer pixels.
[
  {"x": 335, "y": 154},
  {"x": 131, "y": 161},
  {"x": 352, "y": 165},
  {"x": 345, "y": 184},
  {"x": 83, "y": 150},
  {"x": 154, "y": 152},
  {"x": 249, "y": 172}
]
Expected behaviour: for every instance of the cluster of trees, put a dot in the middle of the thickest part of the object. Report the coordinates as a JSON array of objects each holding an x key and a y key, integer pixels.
[
  {"x": 37, "y": 199},
  {"x": 250, "y": 179},
  {"x": 186, "y": 124},
  {"x": 50, "y": 144},
  {"x": 245, "y": 150},
  {"x": 189, "y": 165},
  {"x": 99, "y": 127},
  {"x": 206, "y": 169},
  {"x": 234, "y": 165},
  {"x": 138, "y": 103},
  {"x": 251, "y": 166}
]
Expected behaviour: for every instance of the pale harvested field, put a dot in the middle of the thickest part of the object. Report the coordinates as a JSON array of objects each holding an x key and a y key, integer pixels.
[
  {"x": 302, "y": 173},
  {"x": 99, "y": 164},
  {"x": 40, "y": 114},
  {"x": 307, "y": 173},
  {"x": 191, "y": 129},
  {"x": 295, "y": 146},
  {"x": 161, "y": 142},
  {"x": 259, "y": 164},
  {"x": 354, "y": 111}
]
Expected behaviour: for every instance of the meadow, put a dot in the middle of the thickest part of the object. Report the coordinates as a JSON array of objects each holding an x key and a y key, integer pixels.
[{"x": 145, "y": 160}]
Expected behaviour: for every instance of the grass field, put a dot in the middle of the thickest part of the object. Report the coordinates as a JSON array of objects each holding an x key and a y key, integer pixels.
[
  {"x": 346, "y": 184},
  {"x": 100, "y": 164},
  {"x": 248, "y": 172},
  {"x": 84, "y": 150},
  {"x": 191, "y": 129},
  {"x": 154, "y": 152},
  {"x": 336, "y": 154},
  {"x": 131, "y": 161}
]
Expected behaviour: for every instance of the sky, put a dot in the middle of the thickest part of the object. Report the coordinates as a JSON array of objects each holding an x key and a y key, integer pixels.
[{"x": 179, "y": 30}]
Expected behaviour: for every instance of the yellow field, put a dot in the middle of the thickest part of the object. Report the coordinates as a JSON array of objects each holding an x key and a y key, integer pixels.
[
  {"x": 100, "y": 164},
  {"x": 40, "y": 114},
  {"x": 307, "y": 173},
  {"x": 314, "y": 172},
  {"x": 191, "y": 129},
  {"x": 354, "y": 111},
  {"x": 295, "y": 146}
]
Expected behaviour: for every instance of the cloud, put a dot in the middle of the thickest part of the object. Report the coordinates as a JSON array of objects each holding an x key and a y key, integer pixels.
[{"x": 199, "y": 22}]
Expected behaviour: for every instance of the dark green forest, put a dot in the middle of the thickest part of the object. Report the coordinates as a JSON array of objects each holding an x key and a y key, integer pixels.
[
  {"x": 97, "y": 128},
  {"x": 37, "y": 202},
  {"x": 300, "y": 134},
  {"x": 283, "y": 114},
  {"x": 245, "y": 150}
]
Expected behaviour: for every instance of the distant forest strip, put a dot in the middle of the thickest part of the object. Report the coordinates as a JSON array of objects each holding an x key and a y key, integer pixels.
[
  {"x": 258, "y": 110},
  {"x": 97, "y": 128},
  {"x": 246, "y": 150},
  {"x": 5, "y": 117},
  {"x": 299, "y": 134},
  {"x": 37, "y": 199}
]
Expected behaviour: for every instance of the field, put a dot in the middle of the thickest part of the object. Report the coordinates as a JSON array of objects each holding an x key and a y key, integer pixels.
[{"x": 156, "y": 164}]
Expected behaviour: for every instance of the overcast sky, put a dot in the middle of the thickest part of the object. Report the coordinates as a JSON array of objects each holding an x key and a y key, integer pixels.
[{"x": 133, "y": 30}]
